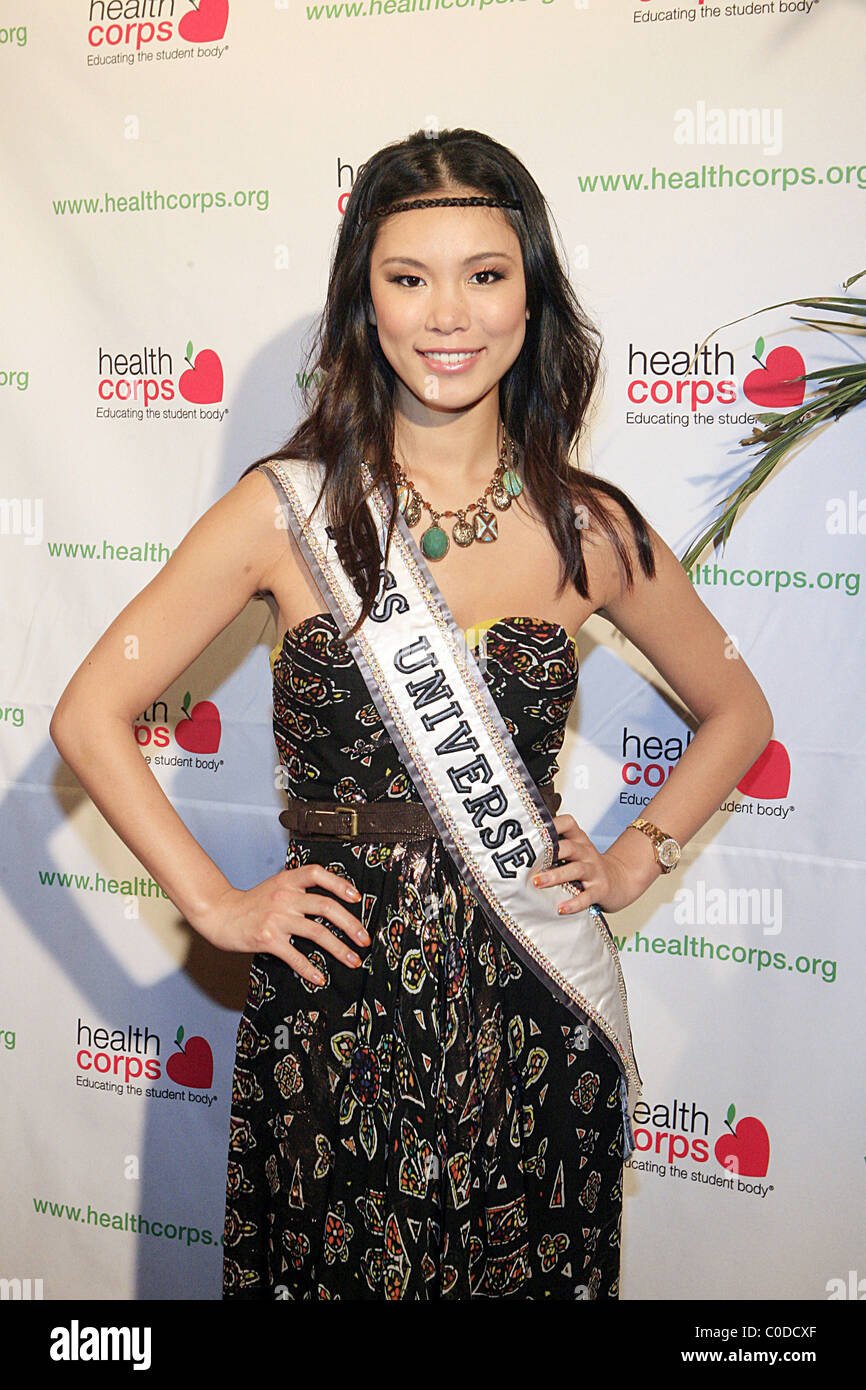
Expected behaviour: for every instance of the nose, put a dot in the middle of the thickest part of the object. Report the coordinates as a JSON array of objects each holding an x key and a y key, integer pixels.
[{"x": 447, "y": 309}]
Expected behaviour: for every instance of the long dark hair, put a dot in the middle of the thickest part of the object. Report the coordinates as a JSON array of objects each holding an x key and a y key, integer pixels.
[{"x": 543, "y": 396}]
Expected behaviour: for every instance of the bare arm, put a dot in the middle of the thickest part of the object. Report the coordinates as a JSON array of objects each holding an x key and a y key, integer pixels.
[
  {"x": 223, "y": 560},
  {"x": 667, "y": 621},
  {"x": 204, "y": 584}
]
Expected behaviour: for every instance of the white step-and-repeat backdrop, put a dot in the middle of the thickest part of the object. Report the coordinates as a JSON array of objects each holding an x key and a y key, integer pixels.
[{"x": 173, "y": 178}]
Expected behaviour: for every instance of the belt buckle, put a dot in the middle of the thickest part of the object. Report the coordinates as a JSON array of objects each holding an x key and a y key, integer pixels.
[{"x": 347, "y": 820}]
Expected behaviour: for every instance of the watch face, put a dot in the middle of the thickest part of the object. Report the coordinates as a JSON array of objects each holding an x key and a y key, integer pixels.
[{"x": 669, "y": 853}]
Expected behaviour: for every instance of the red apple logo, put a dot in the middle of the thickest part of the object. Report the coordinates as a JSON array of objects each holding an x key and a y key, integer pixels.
[
  {"x": 200, "y": 732},
  {"x": 193, "y": 1064},
  {"x": 774, "y": 383},
  {"x": 202, "y": 384},
  {"x": 769, "y": 777},
  {"x": 746, "y": 1150},
  {"x": 205, "y": 23}
]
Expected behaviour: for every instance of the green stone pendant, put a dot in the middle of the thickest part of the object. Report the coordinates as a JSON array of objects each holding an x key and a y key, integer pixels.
[
  {"x": 434, "y": 543},
  {"x": 512, "y": 481}
]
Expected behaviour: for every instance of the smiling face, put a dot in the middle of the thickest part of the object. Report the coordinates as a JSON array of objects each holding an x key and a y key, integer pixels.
[{"x": 449, "y": 296}]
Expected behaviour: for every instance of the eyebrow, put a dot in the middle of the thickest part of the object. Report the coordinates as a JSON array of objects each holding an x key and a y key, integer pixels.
[{"x": 481, "y": 256}]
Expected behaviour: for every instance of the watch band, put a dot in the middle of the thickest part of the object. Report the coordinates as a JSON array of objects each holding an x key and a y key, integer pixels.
[{"x": 667, "y": 850}]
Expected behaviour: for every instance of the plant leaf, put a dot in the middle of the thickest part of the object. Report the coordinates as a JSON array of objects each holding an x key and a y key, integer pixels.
[
  {"x": 837, "y": 389},
  {"x": 830, "y": 323},
  {"x": 759, "y": 348},
  {"x": 854, "y": 369},
  {"x": 835, "y": 305}
]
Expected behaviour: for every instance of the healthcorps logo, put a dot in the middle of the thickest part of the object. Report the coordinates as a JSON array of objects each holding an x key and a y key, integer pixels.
[
  {"x": 774, "y": 384},
  {"x": 132, "y": 31},
  {"x": 124, "y": 1060},
  {"x": 648, "y": 761},
  {"x": 691, "y": 384},
  {"x": 197, "y": 733},
  {"x": 678, "y": 1140},
  {"x": 133, "y": 381}
]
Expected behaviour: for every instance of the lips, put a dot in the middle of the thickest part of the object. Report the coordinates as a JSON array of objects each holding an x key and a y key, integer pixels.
[{"x": 450, "y": 363}]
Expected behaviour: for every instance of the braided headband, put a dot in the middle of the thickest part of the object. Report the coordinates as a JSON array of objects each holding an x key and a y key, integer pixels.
[{"x": 472, "y": 202}]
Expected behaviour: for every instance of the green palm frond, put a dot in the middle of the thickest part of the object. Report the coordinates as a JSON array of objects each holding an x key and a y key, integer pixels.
[{"x": 835, "y": 391}]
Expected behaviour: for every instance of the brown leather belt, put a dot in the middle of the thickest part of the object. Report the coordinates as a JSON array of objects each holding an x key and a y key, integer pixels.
[{"x": 387, "y": 821}]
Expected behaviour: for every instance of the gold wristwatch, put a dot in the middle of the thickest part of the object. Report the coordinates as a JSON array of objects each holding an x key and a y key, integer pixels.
[{"x": 667, "y": 851}]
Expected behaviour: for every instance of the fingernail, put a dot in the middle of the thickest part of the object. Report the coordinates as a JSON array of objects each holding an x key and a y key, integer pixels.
[
  {"x": 353, "y": 959},
  {"x": 318, "y": 979},
  {"x": 538, "y": 880}
]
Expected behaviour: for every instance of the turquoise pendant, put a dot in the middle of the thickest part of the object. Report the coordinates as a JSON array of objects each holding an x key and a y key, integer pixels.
[
  {"x": 434, "y": 543},
  {"x": 511, "y": 481}
]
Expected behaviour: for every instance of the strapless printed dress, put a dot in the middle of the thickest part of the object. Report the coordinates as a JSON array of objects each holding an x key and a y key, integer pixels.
[{"x": 431, "y": 1124}]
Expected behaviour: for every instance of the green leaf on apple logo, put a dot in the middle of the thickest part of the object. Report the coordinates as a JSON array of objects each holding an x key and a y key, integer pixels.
[
  {"x": 732, "y": 1110},
  {"x": 759, "y": 348},
  {"x": 185, "y": 705},
  {"x": 189, "y": 350},
  {"x": 179, "y": 1038}
]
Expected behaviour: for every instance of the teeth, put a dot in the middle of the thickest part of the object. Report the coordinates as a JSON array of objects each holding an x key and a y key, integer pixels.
[{"x": 449, "y": 356}]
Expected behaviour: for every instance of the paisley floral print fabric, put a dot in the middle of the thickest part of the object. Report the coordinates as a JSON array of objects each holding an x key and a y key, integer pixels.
[{"x": 432, "y": 1124}]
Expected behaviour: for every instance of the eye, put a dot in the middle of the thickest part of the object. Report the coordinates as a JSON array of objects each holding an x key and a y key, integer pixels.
[
  {"x": 490, "y": 272},
  {"x": 398, "y": 279}
]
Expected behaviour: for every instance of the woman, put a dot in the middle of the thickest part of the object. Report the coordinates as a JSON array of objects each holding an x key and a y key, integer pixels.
[{"x": 419, "y": 1111}]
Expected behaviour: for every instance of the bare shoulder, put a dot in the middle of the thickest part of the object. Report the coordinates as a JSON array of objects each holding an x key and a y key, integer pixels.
[
  {"x": 250, "y": 520},
  {"x": 241, "y": 526},
  {"x": 611, "y": 553},
  {"x": 665, "y": 618},
  {"x": 284, "y": 577},
  {"x": 251, "y": 512}
]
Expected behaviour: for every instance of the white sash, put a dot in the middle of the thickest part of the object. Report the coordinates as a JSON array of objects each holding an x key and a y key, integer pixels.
[{"x": 453, "y": 742}]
